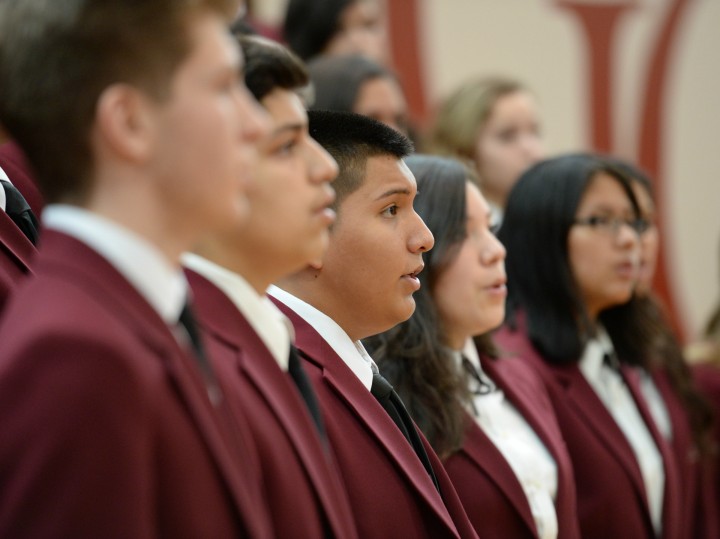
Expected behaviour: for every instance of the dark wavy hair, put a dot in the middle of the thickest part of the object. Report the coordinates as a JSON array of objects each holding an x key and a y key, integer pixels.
[
  {"x": 413, "y": 355},
  {"x": 538, "y": 217}
]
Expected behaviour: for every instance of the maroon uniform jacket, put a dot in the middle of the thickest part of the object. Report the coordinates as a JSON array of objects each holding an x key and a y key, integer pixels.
[
  {"x": 611, "y": 494},
  {"x": 16, "y": 255},
  {"x": 488, "y": 487},
  {"x": 707, "y": 378},
  {"x": 107, "y": 429},
  {"x": 305, "y": 492},
  {"x": 390, "y": 491}
]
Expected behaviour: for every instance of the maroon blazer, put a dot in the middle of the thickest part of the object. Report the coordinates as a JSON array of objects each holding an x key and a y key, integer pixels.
[
  {"x": 390, "y": 491},
  {"x": 107, "y": 430},
  {"x": 16, "y": 255},
  {"x": 16, "y": 166},
  {"x": 488, "y": 487},
  {"x": 610, "y": 489},
  {"x": 305, "y": 492},
  {"x": 707, "y": 378}
]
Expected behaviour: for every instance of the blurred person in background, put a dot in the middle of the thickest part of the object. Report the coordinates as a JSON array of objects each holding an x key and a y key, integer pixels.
[
  {"x": 493, "y": 123},
  {"x": 681, "y": 414},
  {"x": 314, "y": 28},
  {"x": 354, "y": 83}
]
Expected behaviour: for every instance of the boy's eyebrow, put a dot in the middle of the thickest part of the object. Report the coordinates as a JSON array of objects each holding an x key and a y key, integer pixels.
[
  {"x": 288, "y": 127},
  {"x": 396, "y": 191}
]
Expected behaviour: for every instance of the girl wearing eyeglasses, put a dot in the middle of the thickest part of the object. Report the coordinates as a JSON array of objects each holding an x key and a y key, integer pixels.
[
  {"x": 572, "y": 228},
  {"x": 489, "y": 419},
  {"x": 682, "y": 415}
]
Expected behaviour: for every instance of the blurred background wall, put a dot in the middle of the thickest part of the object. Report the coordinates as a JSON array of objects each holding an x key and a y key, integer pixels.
[{"x": 640, "y": 79}]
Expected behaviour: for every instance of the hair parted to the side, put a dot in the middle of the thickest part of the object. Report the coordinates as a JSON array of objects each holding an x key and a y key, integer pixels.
[
  {"x": 56, "y": 59},
  {"x": 270, "y": 65},
  {"x": 309, "y": 25},
  {"x": 540, "y": 212},
  {"x": 414, "y": 355},
  {"x": 352, "y": 139}
]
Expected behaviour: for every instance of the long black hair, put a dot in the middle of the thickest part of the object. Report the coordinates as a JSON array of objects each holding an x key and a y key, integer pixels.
[{"x": 538, "y": 217}]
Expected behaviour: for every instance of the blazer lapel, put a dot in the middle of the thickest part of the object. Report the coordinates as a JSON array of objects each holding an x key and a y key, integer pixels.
[
  {"x": 121, "y": 297},
  {"x": 367, "y": 410},
  {"x": 488, "y": 458},
  {"x": 671, "y": 499},
  {"x": 583, "y": 398},
  {"x": 259, "y": 366},
  {"x": 14, "y": 242}
]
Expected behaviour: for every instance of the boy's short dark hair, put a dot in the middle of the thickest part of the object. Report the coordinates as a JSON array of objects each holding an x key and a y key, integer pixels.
[
  {"x": 269, "y": 65},
  {"x": 56, "y": 59},
  {"x": 352, "y": 139}
]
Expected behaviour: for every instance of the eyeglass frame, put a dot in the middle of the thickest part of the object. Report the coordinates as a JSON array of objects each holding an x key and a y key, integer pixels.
[{"x": 612, "y": 224}]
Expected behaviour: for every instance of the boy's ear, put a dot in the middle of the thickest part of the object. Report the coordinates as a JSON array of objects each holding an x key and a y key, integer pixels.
[
  {"x": 124, "y": 122},
  {"x": 316, "y": 264}
]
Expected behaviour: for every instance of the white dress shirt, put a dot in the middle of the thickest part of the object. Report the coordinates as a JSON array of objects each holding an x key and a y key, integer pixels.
[
  {"x": 352, "y": 353},
  {"x": 612, "y": 391},
  {"x": 3, "y": 200},
  {"x": 141, "y": 263},
  {"x": 534, "y": 466},
  {"x": 271, "y": 325}
]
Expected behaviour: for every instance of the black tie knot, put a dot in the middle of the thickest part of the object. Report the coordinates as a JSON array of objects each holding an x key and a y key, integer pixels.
[{"x": 381, "y": 388}]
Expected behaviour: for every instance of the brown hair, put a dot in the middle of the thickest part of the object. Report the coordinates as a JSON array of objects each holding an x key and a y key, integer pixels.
[
  {"x": 462, "y": 115},
  {"x": 57, "y": 58}
]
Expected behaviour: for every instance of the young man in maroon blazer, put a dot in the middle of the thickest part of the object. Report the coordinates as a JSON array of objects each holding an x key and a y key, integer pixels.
[
  {"x": 140, "y": 132},
  {"x": 247, "y": 336},
  {"x": 364, "y": 285}
]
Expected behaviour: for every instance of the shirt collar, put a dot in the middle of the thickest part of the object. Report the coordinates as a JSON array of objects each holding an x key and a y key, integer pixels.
[
  {"x": 142, "y": 264},
  {"x": 352, "y": 353},
  {"x": 265, "y": 318},
  {"x": 593, "y": 358}
]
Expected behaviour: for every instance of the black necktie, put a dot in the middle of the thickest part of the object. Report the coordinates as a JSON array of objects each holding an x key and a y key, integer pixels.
[
  {"x": 187, "y": 320},
  {"x": 297, "y": 373},
  {"x": 19, "y": 211},
  {"x": 611, "y": 360},
  {"x": 483, "y": 384},
  {"x": 393, "y": 405}
]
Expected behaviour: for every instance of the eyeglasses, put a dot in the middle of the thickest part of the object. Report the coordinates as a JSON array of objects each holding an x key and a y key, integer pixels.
[{"x": 611, "y": 225}]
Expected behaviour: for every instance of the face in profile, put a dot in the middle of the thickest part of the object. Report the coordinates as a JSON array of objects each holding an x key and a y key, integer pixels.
[
  {"x": 289, "y": 203},
  {"x": 470, "y": 293},
  {"x": 603, "y": 247},
  {"x": 649, "y": 239},
  {"x": 369, "y": 273},
  {"x": 382, "y": 99},
  {"x": 205, "y": 133},
  {"x": 507, "y": 144},
  {"x": 362, "y": 31}
]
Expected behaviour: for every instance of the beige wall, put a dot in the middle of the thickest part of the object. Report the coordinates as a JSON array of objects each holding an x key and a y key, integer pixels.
[{"x": 543, "y": 45}]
